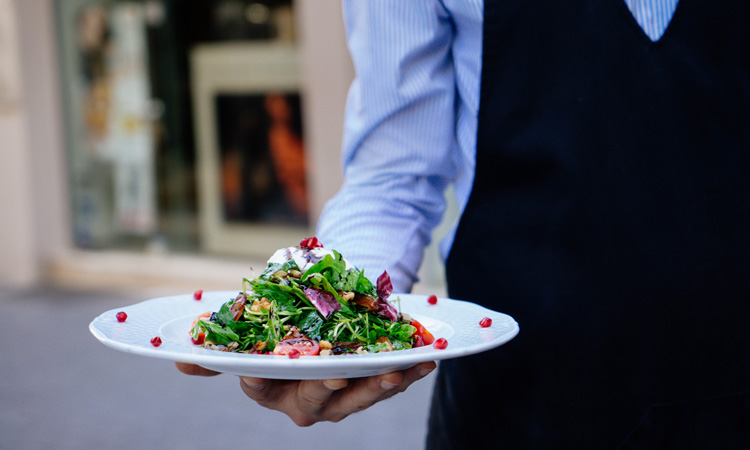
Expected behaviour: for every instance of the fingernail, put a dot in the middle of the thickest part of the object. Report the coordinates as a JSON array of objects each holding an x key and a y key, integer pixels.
[
  {"x": 424, "y": 371},
  {"x": 253, "y": 383},
  {"x": 335, "y": 385},
  {"x": 386, "y": 385}
]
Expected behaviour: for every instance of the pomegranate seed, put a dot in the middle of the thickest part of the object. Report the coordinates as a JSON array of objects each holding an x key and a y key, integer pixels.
[
  {"x": 432, "y": 300},
  {"x": 121, "y": 316},
  {"x": 156, "y": 341},
  {"x": 418, "y": 342},
  {"x": 440, "y": 344},
  {"x": 310, "y": 243},
  {"x": 294, "y": 354},
  {"x": 198, "y": 294},
  {"x": 485, "y": 323}
]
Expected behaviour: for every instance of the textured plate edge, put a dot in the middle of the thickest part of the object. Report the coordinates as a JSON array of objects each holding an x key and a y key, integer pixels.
[{"x": 283, "y": 370}]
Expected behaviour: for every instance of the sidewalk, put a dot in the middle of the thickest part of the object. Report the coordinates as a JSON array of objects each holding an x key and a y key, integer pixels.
[{"x": 62, "y": 389}]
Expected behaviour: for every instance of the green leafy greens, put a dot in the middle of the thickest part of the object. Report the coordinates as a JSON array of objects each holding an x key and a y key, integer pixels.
[{"x": 328, "y": 302}]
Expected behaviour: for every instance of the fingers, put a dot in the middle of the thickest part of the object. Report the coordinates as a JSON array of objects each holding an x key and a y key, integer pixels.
[
  {"x": 302, "y": 401},
  {"x": 313, "y": 397},
  {"x": 366, "y": 392},
  {"x": 192, "y": 369},
  {"x": 263, "y": 391},
  {"x": 310, "y": 401},
  {"x": 419, "y": 371}
]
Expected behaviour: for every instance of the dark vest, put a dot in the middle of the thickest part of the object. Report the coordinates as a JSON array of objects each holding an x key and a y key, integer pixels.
[{"x": 610, "y": 216}]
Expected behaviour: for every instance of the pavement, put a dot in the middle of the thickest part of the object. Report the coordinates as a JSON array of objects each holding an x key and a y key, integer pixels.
[{"x": 62, "y": 389}]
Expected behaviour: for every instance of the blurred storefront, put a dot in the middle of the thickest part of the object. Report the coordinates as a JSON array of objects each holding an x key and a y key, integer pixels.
[{"x": 165, "y": 139}]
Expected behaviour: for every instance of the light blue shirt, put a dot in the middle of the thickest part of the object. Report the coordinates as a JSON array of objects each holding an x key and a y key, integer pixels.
[{"x": 410, "y": 126}]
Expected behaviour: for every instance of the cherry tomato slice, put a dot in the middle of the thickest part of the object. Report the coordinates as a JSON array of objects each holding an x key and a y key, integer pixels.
[
  {"x": 201, "y": 336},
  {"x": 302, "y": 345},
  {"x": 427, "y": 337},
  {"x": 200, "y": 339}
]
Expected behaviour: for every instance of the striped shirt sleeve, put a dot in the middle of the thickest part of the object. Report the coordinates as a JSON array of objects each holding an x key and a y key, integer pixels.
[{"x": 399, "y": 134}]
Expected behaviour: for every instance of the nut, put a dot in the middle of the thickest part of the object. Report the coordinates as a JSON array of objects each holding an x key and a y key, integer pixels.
[{"x": 260, "y": 346}]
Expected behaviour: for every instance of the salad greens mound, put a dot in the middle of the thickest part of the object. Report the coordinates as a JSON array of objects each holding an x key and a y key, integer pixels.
[{"x": 308, "y": 301}]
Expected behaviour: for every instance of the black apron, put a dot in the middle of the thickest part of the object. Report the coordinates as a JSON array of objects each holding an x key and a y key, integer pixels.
[{"x": 610, "y": 216}]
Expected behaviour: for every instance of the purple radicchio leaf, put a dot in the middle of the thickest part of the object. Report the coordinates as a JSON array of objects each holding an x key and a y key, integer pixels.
[
  {"x": 387, "y": 310},
  {"x": 385, "y": 288},
  {"x": 323, "y": 301}
]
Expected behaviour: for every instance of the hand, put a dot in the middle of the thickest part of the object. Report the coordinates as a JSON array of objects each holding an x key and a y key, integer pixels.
[{"x": 307, "y": 402}]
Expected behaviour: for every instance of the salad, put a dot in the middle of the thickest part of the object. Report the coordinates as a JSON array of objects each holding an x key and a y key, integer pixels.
[{"x": 310, "y": 301}]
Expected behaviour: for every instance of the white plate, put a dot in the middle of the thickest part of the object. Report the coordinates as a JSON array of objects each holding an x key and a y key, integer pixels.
[{"x": 170, "y": 318}]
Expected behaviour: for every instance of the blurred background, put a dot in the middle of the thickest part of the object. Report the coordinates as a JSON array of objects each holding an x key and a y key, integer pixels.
[{"x": 157, "y": 147}]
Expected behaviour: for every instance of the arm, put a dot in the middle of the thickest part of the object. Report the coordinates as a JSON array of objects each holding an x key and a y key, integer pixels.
[{"x": 399, "y": 134}]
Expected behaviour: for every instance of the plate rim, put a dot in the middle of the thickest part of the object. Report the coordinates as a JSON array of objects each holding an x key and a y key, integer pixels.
[{"x": 280, "y": 367}]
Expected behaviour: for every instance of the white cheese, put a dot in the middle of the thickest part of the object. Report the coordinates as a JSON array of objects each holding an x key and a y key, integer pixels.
[{"x": 303, "y": 257}]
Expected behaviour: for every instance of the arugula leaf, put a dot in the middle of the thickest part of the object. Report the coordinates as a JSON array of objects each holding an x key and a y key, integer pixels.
[
  {"x": 311, "y": 325},
  {"x": 331, "y": 267},
  {"x": 403, "y": 331},
  {"x": 401, "y": 345},
  {"x": 348, "y": 281},
  {"x": 364, "y": 285},
  {"x": 284, "y": 295},
  {"x": 224, "y": 315},
  {"x": 217, "y": 333},
  {"x": 374, "y": 348}
]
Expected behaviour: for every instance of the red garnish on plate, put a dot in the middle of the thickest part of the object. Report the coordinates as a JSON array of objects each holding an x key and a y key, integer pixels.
[
  {"x": 485, "y": 323},
  {"x": 311, "y": 243},
  {"x": 198, "y": 294},
  {"x": 156, "y": 341},
  {"x": 121, "y": 316},
  {"x": 440, "y": 344},
  {"x": 432, "y": 300},
  {"x": 427, "y": 337},
  {"x": 200, "y": 340},
  {"x": 294, "y": 354}
]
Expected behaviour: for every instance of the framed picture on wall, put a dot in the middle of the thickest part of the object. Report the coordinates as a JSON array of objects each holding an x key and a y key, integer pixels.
[{"x": 251, "y": 159}]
